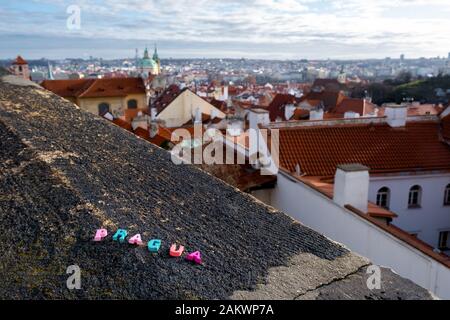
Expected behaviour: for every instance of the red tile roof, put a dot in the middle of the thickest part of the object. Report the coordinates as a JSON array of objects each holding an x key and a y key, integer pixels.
[
  {"x": 93, "y": 88},
  {"x": 145, "y": 134},
  {"x": 123, "y": 124},
  {"x": 276, "y": 107},
  {"x": 20, "y": 61},
  {"x": 356, "y": 105},
  {"x": 419, "y": 110},
  {"x": 67, "y": 88},
  {"x": 320, "y": 149},
  {"x": 221, "y": 105},
  {"x": 206, "y": 118},
  {"x": 330, "y": 99},
  {"x": 167, "y": 97},
  {"x": 163, "y": 135},
  {"x": 114, "y": 87},
  {"x": 300, "y": 114}
]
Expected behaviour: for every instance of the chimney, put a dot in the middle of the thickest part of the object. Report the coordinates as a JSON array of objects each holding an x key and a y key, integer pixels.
[
  {"x": 198, "y": 116},
  {"x": 351, "y": 186},
  {"x": 316, "y": 114},
  {"x": 396, "y": 115},
  {"x": 225, "y": 93},
  {"x": 214, "y": 113},
  {"x": 153, "y": 113},
  {"x": 257, "y": 117}
]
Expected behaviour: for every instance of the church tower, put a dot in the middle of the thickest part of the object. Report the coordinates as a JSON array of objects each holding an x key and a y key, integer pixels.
[
  {"x": 49, "y": 71},
  {"x": 157, "y": 60},
  {"x": 20, "y": 68},
  {"x": 148, "y": 65}
]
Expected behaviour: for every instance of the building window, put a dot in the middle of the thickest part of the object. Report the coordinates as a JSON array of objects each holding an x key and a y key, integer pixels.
[
  {"x": 103, "y": 108},
  {"x": 132, "y": 104},
  {"x": 447, "y": 196},
  {"x": 415, "y": 195},
  {"x": 444, "y": 237},
  {"x": 383, "y": 197}
]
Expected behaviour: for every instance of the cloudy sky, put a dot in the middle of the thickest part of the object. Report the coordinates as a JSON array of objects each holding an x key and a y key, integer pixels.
[{"x": 276, "y": 29}]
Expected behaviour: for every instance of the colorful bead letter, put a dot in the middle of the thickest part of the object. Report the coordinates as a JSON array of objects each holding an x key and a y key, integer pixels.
[
  {"x": 195, "y": 257},
  {"x": 154, "y": 245},
  {"x": 100, "y": 234},
  {"x": 136, "y": 240},
  {"x": 120, "y": 235},
  {"x": 174, "y": 252}
]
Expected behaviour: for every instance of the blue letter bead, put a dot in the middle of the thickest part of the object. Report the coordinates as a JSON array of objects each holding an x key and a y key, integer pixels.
[{"x": 120, "y": 235}]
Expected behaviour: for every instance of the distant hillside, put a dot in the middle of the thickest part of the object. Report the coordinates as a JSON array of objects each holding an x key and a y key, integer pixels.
[
  {"x": 425, "y": 89},
  {"x": 419, "y": 90}
]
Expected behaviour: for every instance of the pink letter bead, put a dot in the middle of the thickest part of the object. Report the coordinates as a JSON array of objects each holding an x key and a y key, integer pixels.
[
  {"x": 136, "y": 240},
  {"x": 195, "y": 257},
  {"x": 100, "y": 234},
  {"x": 174, "y": 252}
]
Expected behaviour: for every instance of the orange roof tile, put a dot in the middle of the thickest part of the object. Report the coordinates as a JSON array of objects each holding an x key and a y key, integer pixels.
[
  {"x": 114, "y": 87},
  {"x": 320, "y": 149},
  {"x": 419, "y": 110},
  {"x": 330, "y": 99},
  {"x": 67, "y": 88},
  {"x": 167, "y": 97},
  {"x": 93, "y": 88},
  {"x": 123, "y": 124},
  {"x": 300, "y": 114},
  {"x": 356, "y": 105}
]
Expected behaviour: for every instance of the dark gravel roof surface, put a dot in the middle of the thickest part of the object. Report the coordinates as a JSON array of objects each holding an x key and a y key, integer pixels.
[{"x": 64, "y": 173}]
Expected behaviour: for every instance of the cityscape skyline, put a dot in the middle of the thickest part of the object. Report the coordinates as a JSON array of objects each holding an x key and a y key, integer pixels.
[{"x": 311, "y": 29}]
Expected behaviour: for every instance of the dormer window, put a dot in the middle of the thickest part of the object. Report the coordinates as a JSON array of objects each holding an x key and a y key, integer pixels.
[
  {"x": 132, "y": 104},
  {"x": 383, "y": 197},
  {"x": 447, "y": 195},
  {"x": 103, "y": 108},
  {"x": 415, "y": 195}
]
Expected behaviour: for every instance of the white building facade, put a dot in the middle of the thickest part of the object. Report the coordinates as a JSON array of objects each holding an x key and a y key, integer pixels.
[{"x": 420, "y": 202}]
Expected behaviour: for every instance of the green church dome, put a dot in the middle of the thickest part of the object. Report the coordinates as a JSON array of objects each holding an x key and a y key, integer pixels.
[{"x": 147, "y": 62}]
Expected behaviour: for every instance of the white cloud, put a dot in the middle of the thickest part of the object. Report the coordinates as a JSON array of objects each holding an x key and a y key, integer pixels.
[{"x": 416, "y": 27}]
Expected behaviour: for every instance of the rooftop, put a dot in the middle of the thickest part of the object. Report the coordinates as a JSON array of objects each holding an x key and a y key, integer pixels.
[
  {"x": 319, "y": 149},
  {"x": 95, "y": 88},
  {"x": 19, "y": 61},
  {"x": 65, "y": 172}
]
